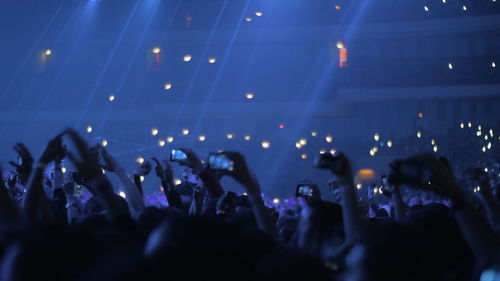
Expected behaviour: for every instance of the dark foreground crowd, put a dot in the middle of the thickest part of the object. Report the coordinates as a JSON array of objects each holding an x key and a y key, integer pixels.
[{"x": 49, "y": 232}]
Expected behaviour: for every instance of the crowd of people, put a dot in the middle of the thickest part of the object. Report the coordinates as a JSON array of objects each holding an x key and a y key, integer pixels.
[{"x": 425, "y": 220}]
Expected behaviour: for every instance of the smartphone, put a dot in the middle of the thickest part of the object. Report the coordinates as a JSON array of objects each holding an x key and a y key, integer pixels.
[
  {"x": 409, "y": 172},
  {"x": 304, "y": 191},
  {"x": 220, "y": 162},
  {"x": 328, "y": 161},
  {"x": 177, "y": 155}
]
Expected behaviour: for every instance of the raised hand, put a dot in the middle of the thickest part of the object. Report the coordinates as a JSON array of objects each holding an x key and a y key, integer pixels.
[
  {"x": 442, "y": 180},
  {"x": 144, "y": 169},
  {"x": 478, "y": 177},
  {"x": 110, "y": 162},
  {"x": 53, "y": 151},
  {"x": 88, "y": 165},
  {"x": 192, "y": 161},
  {"x": 24, "y": 168},
  {"x": 241, "y": 172},
  {"x": 165, "y": 174}
]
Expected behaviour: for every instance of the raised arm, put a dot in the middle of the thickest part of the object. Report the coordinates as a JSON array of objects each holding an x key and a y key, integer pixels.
[
  {"x": 9, "y": 211},
  {"x": 480, "y": 178},
  {"x": 37, "y": 207},
  {"x": 96, "y": 181},
  {"x": 134, "y": 197},
  {"x": 167, "y": 181},
  {"x": 242, "y": 174},
  {"x": 25, "y": 167},
  {"x": 477, "y": 232},
  {"x": 353, "y": 221}
]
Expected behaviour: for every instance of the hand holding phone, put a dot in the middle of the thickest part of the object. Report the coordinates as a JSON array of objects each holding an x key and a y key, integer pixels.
[
  {"x": 220, "y": 162},
  {"x": 233, "y": 164},
  {"x": 187, "y": 157},
  {"x": 338, "y": 164},
  {"x": 177, "y": 155}
]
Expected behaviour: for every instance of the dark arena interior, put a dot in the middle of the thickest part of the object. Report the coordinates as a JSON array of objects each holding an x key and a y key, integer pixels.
[{"x": 250, "y": 140}]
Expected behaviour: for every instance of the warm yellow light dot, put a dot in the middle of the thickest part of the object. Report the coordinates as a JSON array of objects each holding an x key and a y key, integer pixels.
[
  {"x": 389, "y": 143},
  {"x": 489, "y": 145},
  {"x": 89, "y": 129},
  {"x": 329, "y": 139},
  {"x": 259, "y": 13},
  {"x": 298, "y": 145},
  {"x": 340, "y": 45},
  {"x": 322, "y": 151},
  {"x": 266, "y": 144},
  {"x": 333, "y": 151},
  {"x": 359, "y": 186},
  {"x": 469, "y": 124},
  {"x": 154, "y": 131},
  {"x": 161, "y": 143},
  {"x": 212, "y": 60},
  {"x": 156, "y": 50},
  {"x": 122, "y": 194},
  {"x": 372, "y": 152},
  {"x": 229, "y": 136},
  {"x": 248, "y": 19},
  {"x": 177, "y": 181},
  {"x": 450, "y": 66},
  {"x": 419, "y": 134},
  {"x": 484, "y": 149},
  {"x": 63, "y": 169},
  {"x": 314, "y": 133},
  {"x": 111, "y": 98},
  {"x": 420, "y": 115},
  {"x": 303, "y": 156},
  {"x": 249, "y": 95},
  {"x": 478, "y": 133},
  {"x": 435, "y": 148},
  {"x": 426, "y": 8},
  {"x": 247, "y": 137},
  {"x": 167, "y": 86},
  {"x": 491, "y": 132},
  {"x": 485, "y": 137},
  {"x": 276, "y": 200},
  {"x": 48, "y": 52},
  {"x": 170, "y": 139},
  {"x": 376, "y": 137},
  {"x": 433, "y": 142},
  {"x": 464, "y": 8},
  {"x": 104, "y": 142},
  {"x": 493, "y": 65},
  {"x": 141, "y": 178},
  {"x": 462, "y": 125},
  {"x": 303, "y": 141},
  {"x": 139, "y": 160},
  {"x": 201, "y": 138},
  {"x": 185, "y": 132},
  {"x": 479, "y": 127},
  {"x": 187, "y": 57},
  {"x": 375, "y": 149}
]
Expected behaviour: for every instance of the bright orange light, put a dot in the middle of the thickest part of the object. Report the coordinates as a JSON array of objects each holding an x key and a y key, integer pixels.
[
  {"x": 365, "y": 175},
  {"x": 342, "y": 57},
  {"x": 282, "y": 126},
  {"x": 420, "y": 115},
  {"x": 337, "y": 7}
]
